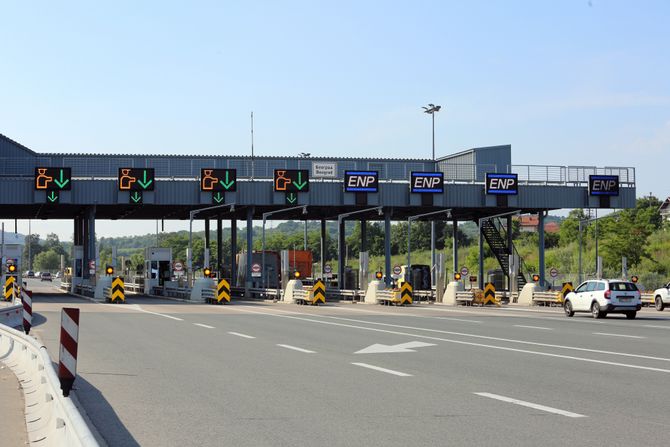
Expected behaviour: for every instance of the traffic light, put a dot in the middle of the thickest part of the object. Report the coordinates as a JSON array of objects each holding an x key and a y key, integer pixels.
[
  {"x": 296, "y": 274},
  {"x": 457, "y": 276},
  {"x": 109, "y": 270},
  {"x": 536, "y": 278},
  {"x": 11, "y": 268},
  {"x": 378, "y": 275},
  {"x": 634, "y": 278},
  {"x": 207, "y": 272}
]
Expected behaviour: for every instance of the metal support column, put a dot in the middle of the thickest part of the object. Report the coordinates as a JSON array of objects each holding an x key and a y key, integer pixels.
[
  {"x": 387, "y": 246},
  {"x": 341, "y": 245},
  {"x": 540, "y": 233},
  {"x": 323, "y": 248},
  {"x": 250, "y": 247},
  {"x": 364, "y": 235},
  {"x": 233, "y": 252},
  {"x": 304, "y": 243},
  {"x": 432, "y": 253},
  {"x": 207, "y": 233},
  {"x": 481, "y": 257},
  {"x": 455, "y": 246},
  {"x": 91, "y": 235},
  {"x": 84, "y": 240},
  {"x": 219, "y": 245},
  {"x": 510, "y": 251}
]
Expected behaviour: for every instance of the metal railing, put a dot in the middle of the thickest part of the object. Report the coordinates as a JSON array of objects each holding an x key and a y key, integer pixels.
[{"x": 184, "y": 168}]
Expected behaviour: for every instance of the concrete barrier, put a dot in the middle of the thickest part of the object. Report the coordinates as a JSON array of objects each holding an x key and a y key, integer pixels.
[
  {"x": 51, "y": 419},
  {"x": 526, "y": 295},
  {"x": 449, "y": 297},
  {"x": 294, "y": 291},
  {"x": 374, "y": 288},
  {"x": 12, "y": 315}
]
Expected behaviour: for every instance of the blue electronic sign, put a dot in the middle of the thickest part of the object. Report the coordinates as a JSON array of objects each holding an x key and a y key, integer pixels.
[
  {"x": 361, "y": 181},
  {"x": 502, "y": 184},
  {"x": 426, "y": 182},
  {"x": 604, "y": 185}
]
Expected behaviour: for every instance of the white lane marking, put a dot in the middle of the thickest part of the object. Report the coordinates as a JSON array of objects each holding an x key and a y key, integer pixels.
[
  {"x": 204, "y": 325},
  {"x": 452, "y": 319},
  {"x": 534, "y": 327},
  {"x": 295, "y": 348},
  {"x": 484, "y": 337},
  {"x": 241, "y": 335},
  {"x": 618, "y": 335},
  {"x": 531, "y": 405},
  {"x": 657, "y": 327},
  {"x": 468, "y": 343},
  {"x": 138, "y": 308},
  {"x": 377, "y": 368}
]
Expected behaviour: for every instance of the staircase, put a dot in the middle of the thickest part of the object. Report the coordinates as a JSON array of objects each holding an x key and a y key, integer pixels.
[{"x": 498, "y": 244}]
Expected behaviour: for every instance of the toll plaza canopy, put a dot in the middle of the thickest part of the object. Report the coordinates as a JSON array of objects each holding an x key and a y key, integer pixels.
[{"x": 472, "y": 184}]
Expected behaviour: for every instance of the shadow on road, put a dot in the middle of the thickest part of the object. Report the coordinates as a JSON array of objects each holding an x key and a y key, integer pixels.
[{"x": 102, "y": 415}]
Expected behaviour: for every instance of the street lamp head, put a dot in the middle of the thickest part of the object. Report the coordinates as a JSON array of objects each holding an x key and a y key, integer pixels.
[
  {"x": 432, "y": 108},
  {"x": 304, "y": 210}
]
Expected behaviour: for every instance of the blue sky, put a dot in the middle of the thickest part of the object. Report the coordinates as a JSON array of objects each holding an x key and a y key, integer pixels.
[{"x": 565, "y": 83}]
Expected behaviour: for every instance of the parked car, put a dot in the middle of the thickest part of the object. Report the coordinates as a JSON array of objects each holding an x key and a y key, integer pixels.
[
  {"x": 604, "y": 296},
  {"x": 29, "y": 274},
  {"x": 45, "y": 276},
  {"x": 662, "y": 297}
]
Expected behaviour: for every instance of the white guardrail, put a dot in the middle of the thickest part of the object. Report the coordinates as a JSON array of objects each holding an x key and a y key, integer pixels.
[{"x": 51, "y": 419}]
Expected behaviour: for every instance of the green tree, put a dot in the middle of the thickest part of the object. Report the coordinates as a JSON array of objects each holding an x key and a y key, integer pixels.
[{"x": 47, "y": 260}]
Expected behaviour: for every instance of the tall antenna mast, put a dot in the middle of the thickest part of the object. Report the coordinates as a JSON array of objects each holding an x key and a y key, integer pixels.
[{"x": 252, "y": 145}]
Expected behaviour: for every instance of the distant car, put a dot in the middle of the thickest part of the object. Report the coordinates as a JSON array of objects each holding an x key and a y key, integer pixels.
[
  {"x": 45, "y": 276},
  {"x": 603, "y": 296},
  {"x": 29, "y": 274},
  {"x": 57, "y": 275},
  {"x": 662, "y": 297},
  {"x": 38, "y": 274}
]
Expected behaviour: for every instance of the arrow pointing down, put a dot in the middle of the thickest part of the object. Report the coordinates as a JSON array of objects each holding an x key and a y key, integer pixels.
[{"x": 402, "y": 347}]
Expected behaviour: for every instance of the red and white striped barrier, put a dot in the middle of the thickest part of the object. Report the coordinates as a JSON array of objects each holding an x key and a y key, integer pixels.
[
  {"x": 27, "y": 299},
  {"x": 69, "y": 337}
]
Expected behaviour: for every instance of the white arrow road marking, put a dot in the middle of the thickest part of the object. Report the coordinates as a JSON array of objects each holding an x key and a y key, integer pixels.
[
  {"x": 531, "y": 405},
  {"x": 402, "y": 347}
]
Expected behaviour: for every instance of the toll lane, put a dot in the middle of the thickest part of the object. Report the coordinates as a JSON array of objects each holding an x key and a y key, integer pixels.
[{"x": 223, "y": 375}]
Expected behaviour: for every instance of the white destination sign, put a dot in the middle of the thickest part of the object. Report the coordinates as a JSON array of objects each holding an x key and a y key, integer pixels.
[{"x": 324, "y": 170}]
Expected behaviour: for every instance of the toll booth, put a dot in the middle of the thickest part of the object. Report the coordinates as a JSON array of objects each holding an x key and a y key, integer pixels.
[
  {"x": 11, "y": 255},
  {"x": 419, "y": 277},
  {"x": 157, "y": 268},
  {"x": 77, "y": 277}
]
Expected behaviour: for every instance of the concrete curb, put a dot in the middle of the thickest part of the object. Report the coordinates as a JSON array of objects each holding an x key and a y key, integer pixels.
[{"x": 50, "y": 417}]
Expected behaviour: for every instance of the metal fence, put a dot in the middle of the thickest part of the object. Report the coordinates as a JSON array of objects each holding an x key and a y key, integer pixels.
[{"x": 263, "y": 168}]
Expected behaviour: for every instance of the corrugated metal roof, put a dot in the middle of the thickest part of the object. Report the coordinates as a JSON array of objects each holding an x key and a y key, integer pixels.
[
  {"x": 17, "y": 144},
  {"x": 244, "y": 157}
]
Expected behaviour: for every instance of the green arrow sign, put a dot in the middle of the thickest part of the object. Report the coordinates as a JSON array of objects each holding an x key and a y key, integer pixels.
[
  {"x": 136, "y": 197},
  {"x": 144, "y": 183},
  {"x": 52, "y": 197},
  {"x": 217, "y": 198},
  {"x": 228, "y": 183},
  {"x": 291, "y": 198},
  {"x": 300, "y": 184},
  {"x": 62, "y": 181}
]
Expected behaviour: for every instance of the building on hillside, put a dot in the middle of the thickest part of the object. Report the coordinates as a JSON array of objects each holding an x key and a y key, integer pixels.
[
  {"x": 530, "y": 223},
  {"x": 665, "y": 209}
]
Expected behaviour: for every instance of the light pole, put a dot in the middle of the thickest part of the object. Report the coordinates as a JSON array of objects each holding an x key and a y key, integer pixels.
[
  {"x": 431, "y": 109},
  {"x": 582, "y": 224},
  {"x": 340, "y": 263}
]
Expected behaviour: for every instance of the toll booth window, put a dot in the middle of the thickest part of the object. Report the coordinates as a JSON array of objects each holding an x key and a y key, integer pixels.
[{"x": 154, "y": 269}]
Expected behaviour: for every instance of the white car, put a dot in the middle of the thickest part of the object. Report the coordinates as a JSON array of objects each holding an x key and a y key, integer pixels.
[
  {"x": 604, "y": 296},
  {"x": 662, "y": 297}
]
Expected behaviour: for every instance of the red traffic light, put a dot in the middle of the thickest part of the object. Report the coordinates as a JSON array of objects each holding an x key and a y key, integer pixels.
[
  {"x": 379, "y": 275},
  {"x": 536, "y": 278}
]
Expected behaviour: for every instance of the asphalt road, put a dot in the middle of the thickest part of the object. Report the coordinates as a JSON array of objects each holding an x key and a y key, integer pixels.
[{"x": 155, "y": 372}]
